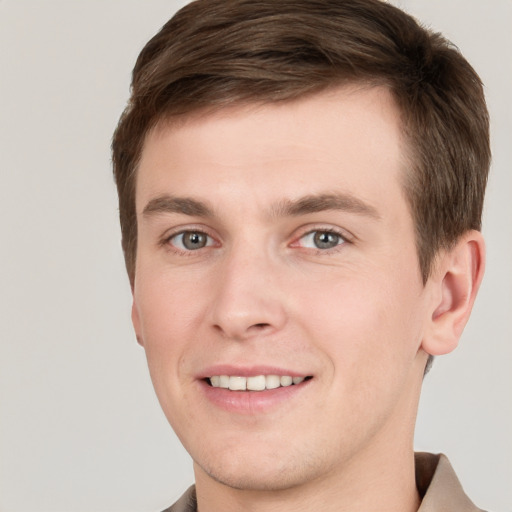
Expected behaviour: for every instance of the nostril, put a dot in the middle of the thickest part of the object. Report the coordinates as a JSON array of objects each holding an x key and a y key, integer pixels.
[{"x": 261, "y": 326}]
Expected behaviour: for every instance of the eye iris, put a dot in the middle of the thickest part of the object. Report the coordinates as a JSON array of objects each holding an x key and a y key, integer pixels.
[
  {"x": 193, "y": 240},
  {"x": 326, "y": 240}
]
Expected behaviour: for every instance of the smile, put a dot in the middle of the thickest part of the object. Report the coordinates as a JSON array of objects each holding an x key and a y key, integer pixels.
[{"x": 256, "y": 383}]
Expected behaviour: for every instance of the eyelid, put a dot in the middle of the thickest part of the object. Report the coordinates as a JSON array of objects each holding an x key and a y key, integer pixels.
[
  {"x": 312, "y": 228},
  {"x": 180, "y": 244},
  {"x": 166, "y": 238}
]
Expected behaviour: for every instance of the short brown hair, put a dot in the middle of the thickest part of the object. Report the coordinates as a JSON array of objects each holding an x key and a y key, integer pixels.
[{"x": 215, "y": 53}]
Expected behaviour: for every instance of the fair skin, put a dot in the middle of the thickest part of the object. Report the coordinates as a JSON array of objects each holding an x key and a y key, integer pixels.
[{"x": 276, "y": 240}]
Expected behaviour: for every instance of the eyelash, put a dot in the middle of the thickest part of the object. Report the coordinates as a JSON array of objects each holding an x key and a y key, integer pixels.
[
  {"x": 167, "y": 241},
  {"x": 344, "y": 239}
]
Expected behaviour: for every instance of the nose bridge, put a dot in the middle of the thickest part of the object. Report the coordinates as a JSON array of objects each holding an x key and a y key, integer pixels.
[{"x": 248, "y": 300}]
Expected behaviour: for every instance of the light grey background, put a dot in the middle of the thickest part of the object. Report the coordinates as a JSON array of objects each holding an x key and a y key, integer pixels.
[{"x": 80, "y": 429}]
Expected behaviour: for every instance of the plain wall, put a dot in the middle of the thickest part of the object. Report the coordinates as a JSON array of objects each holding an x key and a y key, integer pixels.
[{"x": 80, "y": 428}]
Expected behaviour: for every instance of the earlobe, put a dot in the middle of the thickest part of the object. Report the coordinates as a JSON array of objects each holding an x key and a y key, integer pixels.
[
  {"x": 456, "y": 280},
  {"x": 136, "y": 323}
]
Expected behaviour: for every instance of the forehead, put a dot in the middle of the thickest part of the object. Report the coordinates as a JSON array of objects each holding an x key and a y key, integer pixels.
[{"x": 348, "y": 139}]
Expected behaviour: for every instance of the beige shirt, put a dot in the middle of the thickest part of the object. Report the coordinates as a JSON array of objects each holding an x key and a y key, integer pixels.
[{"x": 437, "y": 484}]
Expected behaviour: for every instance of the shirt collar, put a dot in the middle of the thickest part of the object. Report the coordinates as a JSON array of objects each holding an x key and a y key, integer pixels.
[{"x": 439, "y": 486}]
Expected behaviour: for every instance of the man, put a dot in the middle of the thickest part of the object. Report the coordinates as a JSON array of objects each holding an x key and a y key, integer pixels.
[{"x": 301, "y": 186}]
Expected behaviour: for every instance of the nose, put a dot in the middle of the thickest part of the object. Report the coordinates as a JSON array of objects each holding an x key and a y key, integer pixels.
[{"x": 249, "y": 301}]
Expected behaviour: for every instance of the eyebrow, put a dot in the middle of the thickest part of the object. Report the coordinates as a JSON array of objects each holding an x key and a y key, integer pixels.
[
  {"x": 183, "y": 205},
  {"x": 285, "y": 208},
  {"x": 323, "y": 202}
]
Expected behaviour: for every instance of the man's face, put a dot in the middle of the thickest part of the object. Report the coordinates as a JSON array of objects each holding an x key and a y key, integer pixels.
[{"x": 274, "y": 242}]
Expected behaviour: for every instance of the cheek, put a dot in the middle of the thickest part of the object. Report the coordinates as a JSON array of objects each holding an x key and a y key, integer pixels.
[
  {"x": 364, "y": 320},
  {"x": 168, "y": 304},
  {"x": 165, "y": 323},
  {"x": 169, "y": 311}
]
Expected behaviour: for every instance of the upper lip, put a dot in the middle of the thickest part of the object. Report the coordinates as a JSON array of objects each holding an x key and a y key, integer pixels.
[{"x": 248, "y": 371}]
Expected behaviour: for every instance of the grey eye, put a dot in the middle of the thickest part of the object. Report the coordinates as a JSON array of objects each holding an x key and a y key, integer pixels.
[
  {"x": 191, "y": 240},
  {"x": 325, "y": 240},
  {"x": 321, "y": 240}
]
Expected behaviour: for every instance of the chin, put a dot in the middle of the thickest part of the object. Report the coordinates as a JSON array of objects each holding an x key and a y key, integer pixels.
[
  {"x": 250, "y": 480},
  {"x": 260, "y": 473}
]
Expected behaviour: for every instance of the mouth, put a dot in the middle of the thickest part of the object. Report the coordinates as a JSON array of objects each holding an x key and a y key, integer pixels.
[
  {"x": 253, "y": 391},
  {"x": 254, "y": 383}
]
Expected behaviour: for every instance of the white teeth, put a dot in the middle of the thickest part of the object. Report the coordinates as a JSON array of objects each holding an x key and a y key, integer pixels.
[
  {"x": 286, "y": 380},
  {"x": 272, "y": 381},
  {"x": 256, "y": 383},
  {"x": 237, "y": 383}
]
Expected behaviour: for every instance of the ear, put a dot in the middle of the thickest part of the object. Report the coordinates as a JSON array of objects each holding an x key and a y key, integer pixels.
[
  {"x": 136, "y": 323},
  {"x": 455, "y": 282}
]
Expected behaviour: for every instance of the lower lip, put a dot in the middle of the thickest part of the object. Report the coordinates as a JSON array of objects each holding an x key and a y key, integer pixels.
[{"x": 252, "y": 402}]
